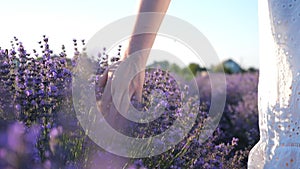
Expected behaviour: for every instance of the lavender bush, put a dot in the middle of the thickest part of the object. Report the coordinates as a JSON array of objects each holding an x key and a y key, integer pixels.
[{"x": 39, "y": 129}]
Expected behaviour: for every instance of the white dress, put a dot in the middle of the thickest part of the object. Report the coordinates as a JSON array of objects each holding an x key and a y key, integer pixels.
[{"x": 279, "y": 86}]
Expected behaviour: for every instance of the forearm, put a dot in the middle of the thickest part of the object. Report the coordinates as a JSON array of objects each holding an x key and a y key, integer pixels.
[{"x": 147, "y": 26}]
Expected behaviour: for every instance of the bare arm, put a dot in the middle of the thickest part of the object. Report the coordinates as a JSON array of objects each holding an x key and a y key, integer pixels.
[
  {"x": 139, "y": 41},
  {"x": 145, "y": 41},
  {"x": 150, "y": 22}
]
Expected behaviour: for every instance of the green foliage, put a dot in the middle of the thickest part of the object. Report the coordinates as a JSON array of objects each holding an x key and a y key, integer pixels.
[
  {"x": 186, "y": 72},
  {"x": 195, "y": 68}
]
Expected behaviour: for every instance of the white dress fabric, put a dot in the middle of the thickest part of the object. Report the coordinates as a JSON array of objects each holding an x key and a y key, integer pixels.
[{"x": 279, "y": 86}]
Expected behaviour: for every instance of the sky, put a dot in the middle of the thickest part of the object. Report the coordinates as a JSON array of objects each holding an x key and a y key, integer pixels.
[{"x": 231, "y": 26}]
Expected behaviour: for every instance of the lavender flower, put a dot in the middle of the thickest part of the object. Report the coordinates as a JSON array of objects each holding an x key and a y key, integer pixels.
[{"x": 36, "y": 92}]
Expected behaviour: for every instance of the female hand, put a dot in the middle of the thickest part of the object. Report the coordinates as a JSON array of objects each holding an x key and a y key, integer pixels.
[
  {"x": 125, "y": 78},
  {"x": 119, "y": 83}
]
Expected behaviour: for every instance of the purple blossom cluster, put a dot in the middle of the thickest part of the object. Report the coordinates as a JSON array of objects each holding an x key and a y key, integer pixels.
[
  {"x": 240, "y": 116},
  {"x": 34, "y": 85},
  {"x": 39, "y": 128}
]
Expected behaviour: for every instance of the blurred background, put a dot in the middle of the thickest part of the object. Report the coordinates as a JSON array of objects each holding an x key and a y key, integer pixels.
[
  {"x": 231, "y": 26},
  {"x": 38, "y": 122}
]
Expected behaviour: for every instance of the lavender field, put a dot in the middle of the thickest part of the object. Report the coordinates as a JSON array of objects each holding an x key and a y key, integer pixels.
[{"x": 39, "y": 128}]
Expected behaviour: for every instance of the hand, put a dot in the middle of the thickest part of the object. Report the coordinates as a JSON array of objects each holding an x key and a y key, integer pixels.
[{"x": 119, "y": 83}]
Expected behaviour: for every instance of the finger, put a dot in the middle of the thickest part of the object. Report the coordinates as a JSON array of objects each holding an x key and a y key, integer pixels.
[
  {"x": 136, "y": 87},
  {"x": 103, "y": 78},
  {"x": 119, "y": 91},
  {"x": 106, "y": 96},
  {"x": 106, "y": 99},
  {"x": 106, "y": 74},
  {"x": 135, "y": 92},
  {"x": 112, "y": 114},
  {"x": 115, "y": 65},
  {"x": 115, "y": 118},
  {"x": 112, "y": 68},
  {"x": 119, "y": 122},
  {"x": 120, "y": 96},
  {"x": 138, "y": 93}
]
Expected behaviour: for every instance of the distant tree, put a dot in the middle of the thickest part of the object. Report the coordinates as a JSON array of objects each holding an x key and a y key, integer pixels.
[
  {"x": 252, "y": 70},
  {"x": 194, "y": 67},
  {"x": 187, "y": 72},
  {"x": 162, "y": 64},
  {"x": 175, "y": 68}
]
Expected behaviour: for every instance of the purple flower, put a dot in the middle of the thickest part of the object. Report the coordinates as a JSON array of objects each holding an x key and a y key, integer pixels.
[
  {"x": 18, "y": 107},
  {"x": 234, "y": 141},
  {"x": 53, "y": 89},
  {"x": 41, "y": 92},
  {"x": 28, "y": 92}
]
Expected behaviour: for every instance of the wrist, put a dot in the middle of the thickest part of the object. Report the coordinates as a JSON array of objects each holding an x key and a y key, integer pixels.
[{"x": 139, "y": 58}]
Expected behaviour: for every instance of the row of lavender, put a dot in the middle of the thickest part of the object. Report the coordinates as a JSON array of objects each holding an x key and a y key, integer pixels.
[{"x": 39, "y": 129}]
